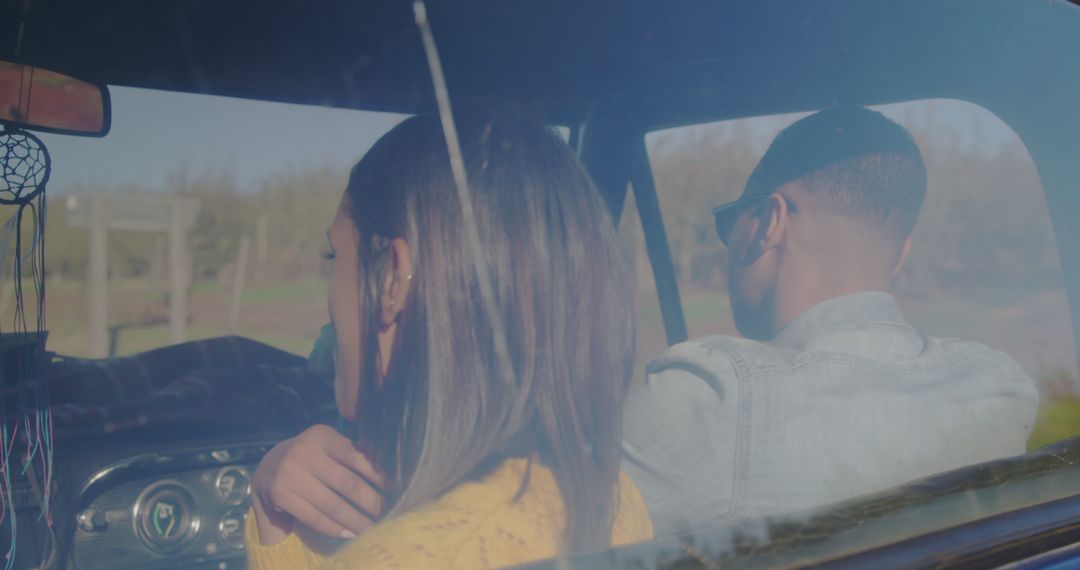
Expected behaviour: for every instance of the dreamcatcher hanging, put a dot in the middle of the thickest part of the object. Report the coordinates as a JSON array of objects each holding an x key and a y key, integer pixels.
[{"x": 25, "y": 418}]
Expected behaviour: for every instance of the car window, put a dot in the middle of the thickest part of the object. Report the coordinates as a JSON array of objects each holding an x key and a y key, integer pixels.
[
  {"x": 984, "y": 264},
  {"x": 266, "y": 178}
]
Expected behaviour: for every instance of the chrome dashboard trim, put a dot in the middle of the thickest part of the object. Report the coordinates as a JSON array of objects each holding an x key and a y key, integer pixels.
[
  {"x": 205, "y": 456},
  {"x": 192, "y": 526},
  {"x": 245, "y": 493}
]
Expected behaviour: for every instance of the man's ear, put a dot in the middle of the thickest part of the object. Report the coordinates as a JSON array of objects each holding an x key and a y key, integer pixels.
[
  {"x": 396, "y": 283},
  {"x": 773, "y": 223},
  {"x": 904, "y": 251}
]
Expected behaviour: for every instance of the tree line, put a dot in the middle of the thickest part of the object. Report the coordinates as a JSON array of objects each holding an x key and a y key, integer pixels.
[{"x": 984, "y": 226}]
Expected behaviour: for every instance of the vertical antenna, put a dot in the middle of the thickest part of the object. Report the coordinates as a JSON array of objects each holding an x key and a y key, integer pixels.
[{"x": 457, "y": 167}]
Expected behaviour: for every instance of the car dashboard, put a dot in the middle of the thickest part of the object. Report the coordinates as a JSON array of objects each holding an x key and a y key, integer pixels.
[
  {"x": 176, "y": 509},
  {"x": 152, "y": 498}
]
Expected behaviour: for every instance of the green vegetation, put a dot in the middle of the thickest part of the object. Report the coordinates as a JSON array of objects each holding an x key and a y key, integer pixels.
[{"x": 1059, "y": 419}]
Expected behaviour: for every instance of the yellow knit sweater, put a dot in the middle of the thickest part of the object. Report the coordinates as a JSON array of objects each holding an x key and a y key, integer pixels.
[{"x": 476, "y": 525}]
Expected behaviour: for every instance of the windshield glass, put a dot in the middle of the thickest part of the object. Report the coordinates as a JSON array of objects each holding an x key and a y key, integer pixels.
[{"x": 266, "y": 178}]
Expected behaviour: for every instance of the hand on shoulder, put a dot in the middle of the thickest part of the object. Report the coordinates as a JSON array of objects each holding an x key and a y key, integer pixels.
[{"x": 319, "y": 479}]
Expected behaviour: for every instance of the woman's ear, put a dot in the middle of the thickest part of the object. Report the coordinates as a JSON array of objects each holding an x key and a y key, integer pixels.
[{"x": 396, "y": 285}]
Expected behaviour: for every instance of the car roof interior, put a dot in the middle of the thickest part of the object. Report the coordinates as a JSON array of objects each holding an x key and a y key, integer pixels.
[{"x": 706, "y": 61}]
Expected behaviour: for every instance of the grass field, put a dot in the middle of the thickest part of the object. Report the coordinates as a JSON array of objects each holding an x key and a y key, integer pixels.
[
  {"x": 289, "y": 316},
  {"x": 1059, "y": 419}
]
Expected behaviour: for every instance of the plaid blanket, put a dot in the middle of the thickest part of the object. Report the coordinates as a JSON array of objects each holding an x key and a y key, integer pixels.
[{"x": 230, "y": 377}]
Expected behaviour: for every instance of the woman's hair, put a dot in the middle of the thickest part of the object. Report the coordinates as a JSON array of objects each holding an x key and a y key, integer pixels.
[{"x": 448, "y": 409}]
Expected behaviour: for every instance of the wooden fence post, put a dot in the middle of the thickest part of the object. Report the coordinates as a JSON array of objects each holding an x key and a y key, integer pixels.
[
  {"x": 262, "y": 244},
  {"x": 98, "y": 275},
  {"x": 238, "y": 282},
  {"x": 178, "y": 272}
]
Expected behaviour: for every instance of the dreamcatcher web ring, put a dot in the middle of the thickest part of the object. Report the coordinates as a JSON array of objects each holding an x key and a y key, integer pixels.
[{"x": 26, "y": 166}]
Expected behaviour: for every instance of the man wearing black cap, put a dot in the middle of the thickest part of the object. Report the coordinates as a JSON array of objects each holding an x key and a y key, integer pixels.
[{"x": 831, "y": 394}]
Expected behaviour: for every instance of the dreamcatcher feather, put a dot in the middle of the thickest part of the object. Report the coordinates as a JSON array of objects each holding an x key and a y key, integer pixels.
[{"x": 25, "y": 417}]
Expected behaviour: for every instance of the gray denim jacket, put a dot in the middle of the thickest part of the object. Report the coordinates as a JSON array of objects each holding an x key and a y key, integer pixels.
[{"x": 848, "y": 399}]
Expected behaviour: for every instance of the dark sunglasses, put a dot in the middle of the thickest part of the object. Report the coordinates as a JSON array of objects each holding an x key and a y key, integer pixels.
[{"x": 724, "y": 216}]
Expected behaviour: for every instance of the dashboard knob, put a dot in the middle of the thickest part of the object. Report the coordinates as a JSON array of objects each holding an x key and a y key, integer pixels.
[
  {"x": 92, "y": 520},
  {"x": 233, "y": 485}
]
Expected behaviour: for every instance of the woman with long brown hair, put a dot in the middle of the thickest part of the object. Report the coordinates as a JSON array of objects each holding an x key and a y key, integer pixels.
[{"x": 489, "y": 420}]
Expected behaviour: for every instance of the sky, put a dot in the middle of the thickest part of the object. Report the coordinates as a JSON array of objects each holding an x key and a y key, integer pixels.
[{"x": 156, "y": 133}]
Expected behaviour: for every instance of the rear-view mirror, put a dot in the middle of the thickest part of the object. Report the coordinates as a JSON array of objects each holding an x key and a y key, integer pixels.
[{"x": 43, "y": 100}]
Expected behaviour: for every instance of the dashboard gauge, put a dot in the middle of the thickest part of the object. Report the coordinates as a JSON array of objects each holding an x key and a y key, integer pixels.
[
  {"x": 165, "y": 517},
  {"x": 231, "y": 528},
  {"x": 233, "y": 484}
]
